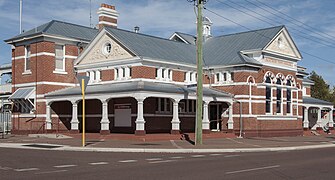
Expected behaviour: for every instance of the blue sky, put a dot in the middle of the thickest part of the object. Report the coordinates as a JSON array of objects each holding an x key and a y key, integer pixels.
[{"x": 313, "y": 29}]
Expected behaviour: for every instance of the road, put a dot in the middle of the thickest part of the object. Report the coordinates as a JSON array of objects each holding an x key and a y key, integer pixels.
[{"x": 40, "y": 164}]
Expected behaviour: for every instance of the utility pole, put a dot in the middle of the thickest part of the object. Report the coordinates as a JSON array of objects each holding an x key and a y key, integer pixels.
[{"x": 198, "y": 125}]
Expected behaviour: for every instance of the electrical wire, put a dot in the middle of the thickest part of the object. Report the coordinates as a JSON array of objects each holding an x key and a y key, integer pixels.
[{"x": 213, "y": 12}]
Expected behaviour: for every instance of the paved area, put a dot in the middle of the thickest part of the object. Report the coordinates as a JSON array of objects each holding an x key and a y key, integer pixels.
[{"x": 166, "y": 142}]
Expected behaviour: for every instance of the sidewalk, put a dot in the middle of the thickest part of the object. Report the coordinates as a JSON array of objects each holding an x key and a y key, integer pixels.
[{"x": 214, "y": 142}]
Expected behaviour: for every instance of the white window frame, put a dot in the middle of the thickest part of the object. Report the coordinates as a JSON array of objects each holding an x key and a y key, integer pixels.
[
  {"x": 122, "y": 73},
  {"x": 224, "y": 77},
  {"x": 27, "y": 58},
  {"x": 167, "y": 108}
]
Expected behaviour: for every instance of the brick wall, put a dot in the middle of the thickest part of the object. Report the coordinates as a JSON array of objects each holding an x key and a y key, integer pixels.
[{"x": 143, "y": 72}]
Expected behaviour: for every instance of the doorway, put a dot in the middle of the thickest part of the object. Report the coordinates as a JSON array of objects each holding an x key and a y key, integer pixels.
[{"x": 215, "y": 111}]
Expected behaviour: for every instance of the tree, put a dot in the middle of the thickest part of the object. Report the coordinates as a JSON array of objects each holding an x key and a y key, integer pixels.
[{"x": 321, "y": 89}]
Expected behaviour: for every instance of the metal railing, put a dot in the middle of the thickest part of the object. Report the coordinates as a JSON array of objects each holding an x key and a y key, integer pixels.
[{"x": 5, "y": 123}]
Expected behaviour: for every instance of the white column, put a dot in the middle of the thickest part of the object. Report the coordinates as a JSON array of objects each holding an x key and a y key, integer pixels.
[
  {"x": 104, "y": 120},
  {"x": 230, "y": 119},
  {"x": 121, "y": 72},
  {"x": 127, "y": 73},
  {"x": 306, "y": 121},
  {"x": 74, "y": 120},
  {"x": 319, "y": 121},
  {"x": 175, "y": 120},
  {"x": 48, "y": 120},
  {"x": 331, "y": 122},
  {"x": 140, "y": 123},
  {"x": 205, "y": 120}
]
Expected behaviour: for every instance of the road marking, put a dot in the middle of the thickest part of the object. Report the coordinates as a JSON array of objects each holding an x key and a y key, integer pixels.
[
  {"x": 5, "y": 168},
  {"x": 98, "y": 163},
  {"x": 216, "y": 154},
  {"x": 228, "y": 156},
  {"x": 65, "y": 166},
  {"x": 165, "y": 161},
  {"x": 28, "y": 169},
  {"x": 253, "y": 169},
  {"x": 175, "y": 145},
  {"x": 176, "y": 157},
  {"x": 197, "y": 156},
  {"x": 49, "y": 172},
  {"x": 128, "y": 161},
  {"x": 154, "y": 159}
]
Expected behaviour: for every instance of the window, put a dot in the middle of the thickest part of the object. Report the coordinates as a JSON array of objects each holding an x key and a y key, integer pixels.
[
  {"x": 222, "y": 77},
  {"x": 95, "y": 76},
  {"x": 107, "y": 48},
  {"x": 27, "y": 58},
  {"x": 187, "y": 106},
  {"x": 268, "y": 95},
  {"x": 122, "y": 73},
  {"x": 288, "y": 98},
  {"x": 164, "y": 105},
  {"x": 59, "y": 59},
  {"x": 279, "y": 96},
  {"x": 163, "y": 74}
]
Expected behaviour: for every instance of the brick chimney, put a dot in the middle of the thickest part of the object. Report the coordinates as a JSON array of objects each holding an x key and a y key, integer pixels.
[{"x": 107, "y": 16}]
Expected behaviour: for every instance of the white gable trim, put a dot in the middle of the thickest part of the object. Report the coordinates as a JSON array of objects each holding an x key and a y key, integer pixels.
[
  {"x": 177, "y": 35},
  {"x": 96, "y": 39},
  {"x": 290, "y": 41}
]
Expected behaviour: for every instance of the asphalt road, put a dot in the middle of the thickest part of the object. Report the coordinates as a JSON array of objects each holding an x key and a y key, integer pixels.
[{"x": 39, "y": 164}]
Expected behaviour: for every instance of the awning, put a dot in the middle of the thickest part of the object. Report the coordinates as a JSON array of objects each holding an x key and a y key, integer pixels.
[{"x": 23, "y": 93}]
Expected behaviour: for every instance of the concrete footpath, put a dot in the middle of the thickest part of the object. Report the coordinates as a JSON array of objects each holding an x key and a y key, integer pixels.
[{"x": 165, "y": 143}]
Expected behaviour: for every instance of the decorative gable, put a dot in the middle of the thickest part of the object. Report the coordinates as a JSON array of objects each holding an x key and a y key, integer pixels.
[
  {"x": 102, "y": 49},
  {"x": 284, "y": 45}
]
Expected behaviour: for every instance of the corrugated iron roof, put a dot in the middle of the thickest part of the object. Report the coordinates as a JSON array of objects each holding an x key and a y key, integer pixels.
[
  {"x": 311, "y": 100},
  {"x": 137, "y": 86},
  {"x": 62, "y": 29}
]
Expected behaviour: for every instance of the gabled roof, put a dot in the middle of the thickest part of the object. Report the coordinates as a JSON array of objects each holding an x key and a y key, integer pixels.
[
  {"x": 190, "y": 39},
  {"x": 225, "y": 50},
  {"x": 154, "y": 47},
  {"x": 60, "y": 28}
]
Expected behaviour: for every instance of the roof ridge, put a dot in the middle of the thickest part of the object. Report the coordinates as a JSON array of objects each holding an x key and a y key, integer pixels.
[
  {"x": 147, "y": 35},
  {"x": 251, "y": 31},
  {"x": 59, "y": 21},
  {"x": 184, "y": 33},
  {"x": 48, "y": 26}
]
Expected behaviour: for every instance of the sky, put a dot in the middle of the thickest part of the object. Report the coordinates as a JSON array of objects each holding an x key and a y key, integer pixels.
[{"x": 311, "y": 23}]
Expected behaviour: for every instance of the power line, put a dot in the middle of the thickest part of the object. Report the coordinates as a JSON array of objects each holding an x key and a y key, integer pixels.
[
  {"x": 249, "y": 14},
  {"x": 294, "y": 20},
  {"x": 320, "y": 58}
]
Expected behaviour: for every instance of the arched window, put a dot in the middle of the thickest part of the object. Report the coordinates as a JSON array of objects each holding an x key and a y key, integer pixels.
[
  {"x": 268, "y": 95},
  {"x": 288, "y": 97},
  {"x": 279, "y": 96}
]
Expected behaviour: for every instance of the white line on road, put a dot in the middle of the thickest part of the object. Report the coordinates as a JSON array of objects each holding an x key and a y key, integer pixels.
[
  {"x": 98, "y": 163},
  {"x": 5, "y": 168},
  {"x": 28, "y": 169},
  {"x": 49, "y": 172},
  {"x": 227, "y": 156},
  {"x": 216, "y": 154},
  {"x": 65, "y": 166},
  {"x": 176, "y": 157},
  {"x": 253, "y": 169},
  {"x": 128, "y": 161},
  {"x": 166, "y": 161},
  {"x": 197, "y": 156},
  {"x": 154, "y": 159}
]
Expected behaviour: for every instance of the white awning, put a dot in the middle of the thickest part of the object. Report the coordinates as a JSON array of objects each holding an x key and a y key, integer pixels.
[{"x": 23, "y": 93}]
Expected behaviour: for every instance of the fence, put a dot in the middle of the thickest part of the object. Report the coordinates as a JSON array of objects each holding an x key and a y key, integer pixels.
[{"x": 5, "y": 122}]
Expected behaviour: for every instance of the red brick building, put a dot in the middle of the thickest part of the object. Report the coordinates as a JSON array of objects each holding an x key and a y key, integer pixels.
[{"x": 145, "y": 84}]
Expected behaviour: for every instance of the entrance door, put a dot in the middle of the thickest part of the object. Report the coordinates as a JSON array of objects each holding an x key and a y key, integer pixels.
[
  {"x": 215, "y": 111},
  {"x": 122, "y": 116}
]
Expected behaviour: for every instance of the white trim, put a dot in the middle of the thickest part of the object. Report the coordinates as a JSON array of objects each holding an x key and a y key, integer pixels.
[
  {"x": 70, "y": 57},
  {"x": 58, "y": 71},
  {"x": 169, "y": 63},
  {"x": 276, "y": 117},
  {"x": 26, "y": 72},
  {"x": 43, "y": 54},
  {"x": 104, "y": 14},
  {"x": 252, "y": 96},
  {"x": 43, "y": 83},
  {"x": 45, "y": 35},
  {"x": 107, "y": 23}
]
